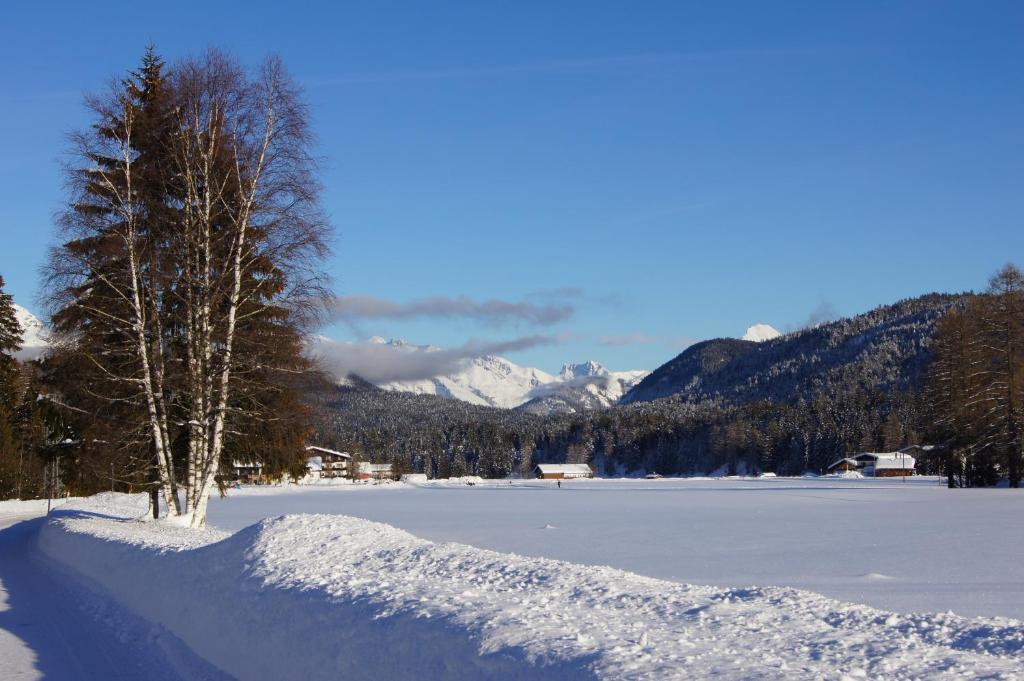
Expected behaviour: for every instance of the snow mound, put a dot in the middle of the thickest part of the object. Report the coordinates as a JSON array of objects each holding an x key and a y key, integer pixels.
[
  {"x": 760, "y": 333},
  {"x": 364, "y": 600}
]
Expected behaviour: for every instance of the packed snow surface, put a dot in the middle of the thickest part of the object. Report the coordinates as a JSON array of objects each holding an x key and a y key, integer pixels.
[
  {"x": 760, "y": 333},
  {"x": 944, "y": 549},
  {"x": 54, "y": 627},
  {"x": 331, "y": 596}
]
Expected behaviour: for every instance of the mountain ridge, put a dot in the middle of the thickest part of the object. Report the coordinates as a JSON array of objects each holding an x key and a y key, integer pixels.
[
  {"x": 885, "y": 348},
  {"x": 495, "y": 381}
]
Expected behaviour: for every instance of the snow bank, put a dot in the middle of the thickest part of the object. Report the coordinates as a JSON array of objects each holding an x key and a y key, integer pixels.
[
  {"x": 17, "y": 507},
  {"x": 32, "y": 507},
  {"x": 325, "y": 597}
]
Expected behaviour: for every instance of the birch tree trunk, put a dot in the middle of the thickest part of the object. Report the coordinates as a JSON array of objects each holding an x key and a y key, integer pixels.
[
  {"x": 137, "y": 324},
  {"x": 250, "y": 197}
]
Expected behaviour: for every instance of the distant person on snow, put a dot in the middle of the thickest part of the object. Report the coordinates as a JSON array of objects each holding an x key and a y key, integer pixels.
[{"x": 559, "y": 484}]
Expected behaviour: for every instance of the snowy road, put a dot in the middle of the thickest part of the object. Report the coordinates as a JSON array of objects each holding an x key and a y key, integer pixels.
[{"x": 51, "y": 630}]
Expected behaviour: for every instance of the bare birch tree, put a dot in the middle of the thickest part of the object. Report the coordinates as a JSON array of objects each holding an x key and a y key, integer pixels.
[
  {"x": 251, "y": 233},
  {"x": 976, "y": 382}
]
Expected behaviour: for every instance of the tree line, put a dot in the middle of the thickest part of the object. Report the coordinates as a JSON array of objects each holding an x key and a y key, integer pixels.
[
  {"x": 27, "y": 425},
  {"x": 790, "y": 406},
  {"x": 949, "y": 375},
  {"x": 671, "y": 436}
]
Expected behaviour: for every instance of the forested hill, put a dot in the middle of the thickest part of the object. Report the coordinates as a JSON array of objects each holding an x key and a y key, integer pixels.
[
  {"x": 788, "y": 405},
  {"x": 884, "y": 349}
]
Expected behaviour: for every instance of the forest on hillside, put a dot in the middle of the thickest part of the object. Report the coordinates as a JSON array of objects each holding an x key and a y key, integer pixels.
[
  {"x": 789, "y": 406},
  {"x": 880, "y": 381},
  {"x": 940, "y": 370}
]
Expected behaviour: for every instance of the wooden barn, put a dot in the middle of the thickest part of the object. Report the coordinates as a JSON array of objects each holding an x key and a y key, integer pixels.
[{"x": 562, "y": 471}]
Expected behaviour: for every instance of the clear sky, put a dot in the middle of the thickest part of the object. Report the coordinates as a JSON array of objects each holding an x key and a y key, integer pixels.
[{"x": 631, "y": 176}]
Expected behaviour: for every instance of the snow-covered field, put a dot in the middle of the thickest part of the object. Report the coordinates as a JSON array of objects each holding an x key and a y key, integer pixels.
[
  {"x": 356, "y": 599},
  {"x": 908, "y": 547}
]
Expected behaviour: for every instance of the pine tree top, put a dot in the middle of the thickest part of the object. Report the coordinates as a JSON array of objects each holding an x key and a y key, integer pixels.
[
  {"x": 149, "y": 77},
  {"x": 10, "y": 327}
]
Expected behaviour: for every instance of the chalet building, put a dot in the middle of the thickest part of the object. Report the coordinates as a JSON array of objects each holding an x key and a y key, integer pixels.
[
  {"x": 877, "y": 464},
  {"x": 247, "y": 472},
  {"x": 562, "y": 471},
  {"x": 894, "y": 465},
  {"x": 327, "y": 463},
  {"x": 374, "y": 471},
  {"x": 844, "y": 465}
]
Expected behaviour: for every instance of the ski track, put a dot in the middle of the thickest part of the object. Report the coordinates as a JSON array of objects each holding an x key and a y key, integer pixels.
[{"x": 53, "y": 626}]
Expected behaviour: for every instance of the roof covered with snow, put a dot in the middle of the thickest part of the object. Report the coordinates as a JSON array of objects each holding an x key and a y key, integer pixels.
[
  {"x": 565, "y": 468},
  {"x": 324, "y": 450},
  {"x": 851, "y": 462},
  {"x": 897, "y": 461}
]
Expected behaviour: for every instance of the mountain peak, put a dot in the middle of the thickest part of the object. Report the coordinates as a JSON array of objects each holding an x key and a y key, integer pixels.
[
  {"x": 34, "y": 337},
  {"x": 760, "y": 333},
  {"x": 588, "y": 368},
  {"x": 498, "y": 382}
]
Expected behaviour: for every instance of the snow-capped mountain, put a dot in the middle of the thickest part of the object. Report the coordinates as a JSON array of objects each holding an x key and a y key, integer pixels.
[
  {"x": 495, "y": 381},
  {"x": 582, "y": 387},
  {"x": 35, "y": 337},
  {"x": 488, "y": 380},
  {"x": 760, "y": 333}
]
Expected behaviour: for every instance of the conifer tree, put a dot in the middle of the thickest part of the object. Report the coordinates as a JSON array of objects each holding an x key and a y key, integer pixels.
[
  {"x": 10, "y": 328},
  {"x": 110, "y": 285},
  {"x": 10, "y": 343}
]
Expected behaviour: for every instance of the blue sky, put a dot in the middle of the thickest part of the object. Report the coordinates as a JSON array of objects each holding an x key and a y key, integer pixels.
[{"x": 657, "y": 171}]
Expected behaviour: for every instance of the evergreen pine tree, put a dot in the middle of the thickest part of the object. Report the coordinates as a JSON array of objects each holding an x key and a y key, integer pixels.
[
  {"x": 10, "y": 328},
  {"x": 10, "y": 343}
]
